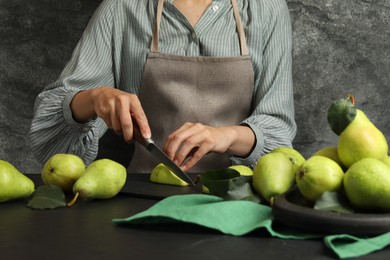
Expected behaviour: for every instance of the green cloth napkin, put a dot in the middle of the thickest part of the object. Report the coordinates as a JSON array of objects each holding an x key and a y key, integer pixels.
[
  {"x": 240, "y": 217},
  {"x": 346, "y": 246}
]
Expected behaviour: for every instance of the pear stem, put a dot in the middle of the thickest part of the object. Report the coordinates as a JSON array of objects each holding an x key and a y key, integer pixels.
[
  {"x": 351, "y": 98},
  {"x": 70, "y": 203},
  {"x": 271, "y": 201}
]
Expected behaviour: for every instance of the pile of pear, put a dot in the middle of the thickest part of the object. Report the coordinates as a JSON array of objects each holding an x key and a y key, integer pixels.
[
  {"x": 102, "y": 179},
  {"x": 358, "y": 165}
]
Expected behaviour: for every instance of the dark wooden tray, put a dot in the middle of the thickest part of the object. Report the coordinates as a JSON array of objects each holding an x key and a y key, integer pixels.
[{"x": 293, "y": 210}]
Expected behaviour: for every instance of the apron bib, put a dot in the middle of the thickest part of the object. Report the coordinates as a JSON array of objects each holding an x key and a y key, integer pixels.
[{"x": 215, "y": 91}]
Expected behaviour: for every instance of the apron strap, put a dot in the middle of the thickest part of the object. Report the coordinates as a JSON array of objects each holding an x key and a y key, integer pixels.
[
  {"x": 156, "y": 31},
  {"x": 240, "y": 28}
]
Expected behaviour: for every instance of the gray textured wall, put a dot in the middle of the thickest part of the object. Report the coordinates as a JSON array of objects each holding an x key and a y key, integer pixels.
[{"x": 340, "y": 47}]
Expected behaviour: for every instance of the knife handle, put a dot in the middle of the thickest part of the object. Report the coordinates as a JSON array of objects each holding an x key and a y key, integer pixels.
[{"x": 138, "y": 136}]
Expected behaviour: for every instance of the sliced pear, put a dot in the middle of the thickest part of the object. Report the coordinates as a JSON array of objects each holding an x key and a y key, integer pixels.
[
  {"x": 242, "y": 169},
  {"x": 161, "y": 174}
]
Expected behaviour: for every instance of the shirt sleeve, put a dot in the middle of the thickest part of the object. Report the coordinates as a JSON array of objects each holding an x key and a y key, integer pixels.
[
  {"x": 272, "y": 119},
  {"x": 53, "y": 129}
]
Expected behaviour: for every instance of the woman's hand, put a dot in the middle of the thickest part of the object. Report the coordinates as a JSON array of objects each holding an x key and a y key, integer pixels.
[
  {"x": 117, "y": 108},
  {"x": 192, "y": 141}
]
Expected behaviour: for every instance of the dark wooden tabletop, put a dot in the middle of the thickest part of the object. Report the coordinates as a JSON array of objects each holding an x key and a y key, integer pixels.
[{"x": 86, "y": 231}]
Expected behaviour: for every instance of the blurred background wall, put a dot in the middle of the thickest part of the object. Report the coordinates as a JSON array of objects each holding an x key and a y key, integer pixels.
[{"x": 339, "y": 47}]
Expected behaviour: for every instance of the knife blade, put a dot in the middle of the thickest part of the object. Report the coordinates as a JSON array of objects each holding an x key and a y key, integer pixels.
[{"x": 150, "y": 145}]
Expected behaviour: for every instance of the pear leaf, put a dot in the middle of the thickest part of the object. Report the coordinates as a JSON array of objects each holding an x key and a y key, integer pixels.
[
  {"x": 340, "y": 114},
  {"x": 47, "y": 197},
  {"x": 333, "y": 201},
  {"x": 240, "y": 189}
]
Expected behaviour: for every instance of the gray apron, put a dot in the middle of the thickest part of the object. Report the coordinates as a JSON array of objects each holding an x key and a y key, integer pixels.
[{"x": 215, "y": 91}]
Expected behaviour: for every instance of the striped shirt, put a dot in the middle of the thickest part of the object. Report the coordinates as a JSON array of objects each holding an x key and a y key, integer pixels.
[{"x": 113, "y": 49}]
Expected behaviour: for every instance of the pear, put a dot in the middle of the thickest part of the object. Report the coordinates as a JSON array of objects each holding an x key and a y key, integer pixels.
[
  {"x": 317, "y": 175},
  {"x": 242, "y": 169},
  {"x": 367, "y": 184},
  {"x": 273, "y": 175},
  {"x": 161, "y": 174},
  {"x": 330, "y": 152},
  {"x": 62, "y": 170},
  {"x": 358, "y": 136},
  {"x": 13, "y": 184},
  {"x": 103, "y": 179},
  {"x": 293, "y": 155},
  {"x": 386, "y": 160}
]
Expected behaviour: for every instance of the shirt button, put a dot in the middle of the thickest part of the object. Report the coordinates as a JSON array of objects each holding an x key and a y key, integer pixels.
[
  {"x": 215, "y": 8},
  {"x": 193, "y": 35}
]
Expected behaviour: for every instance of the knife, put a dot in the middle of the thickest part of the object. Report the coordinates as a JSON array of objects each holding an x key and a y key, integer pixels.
[{"x": 160, "y": 155}]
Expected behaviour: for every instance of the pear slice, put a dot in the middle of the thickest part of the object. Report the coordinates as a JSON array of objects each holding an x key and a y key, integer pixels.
[
  {"x": 161, "y": 174},
  {"x": 242, "y": 169}
]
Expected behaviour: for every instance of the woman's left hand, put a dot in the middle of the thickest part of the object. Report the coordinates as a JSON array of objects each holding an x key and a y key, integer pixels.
[{"x": 192, "y": 141}]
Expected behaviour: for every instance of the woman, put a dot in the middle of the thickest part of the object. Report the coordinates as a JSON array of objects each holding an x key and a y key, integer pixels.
[{"x": 207, "y": 79}]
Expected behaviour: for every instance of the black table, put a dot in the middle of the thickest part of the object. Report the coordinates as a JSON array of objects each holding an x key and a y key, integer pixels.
[{"x": 85, "y": 231}]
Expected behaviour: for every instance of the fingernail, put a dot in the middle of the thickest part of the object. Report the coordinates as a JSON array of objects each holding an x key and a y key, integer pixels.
[{"x": 147, "y": 135}]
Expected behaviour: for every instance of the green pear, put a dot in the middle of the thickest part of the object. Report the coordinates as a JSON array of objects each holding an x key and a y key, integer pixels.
[
  {"x": 361, "y": 139},
  {"x": 330, "y": 152},
  {"x": 103, "y": 179},
  {"x": 161, "y": 174},
  {"x": 273, "y": 175},
  {"x": 62, "y": 170},
  {"x": 293, "y": 155},
  {"x": 13, "y": 184},
  {"x": 386, "y": 160},
  {"x": 317, "y": 175},
  {"x": 367, "y": 184},
  {"x": 358, "y": 136},
  {"x": 242, "y": 169}
]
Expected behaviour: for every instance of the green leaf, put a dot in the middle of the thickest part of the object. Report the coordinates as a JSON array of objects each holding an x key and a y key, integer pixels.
[
  {"x": 47, "y": 197},
  {"x": 340, "y": 114},
  {"x": 333, "y": 201},
  {"x": 240, "y": 189}
]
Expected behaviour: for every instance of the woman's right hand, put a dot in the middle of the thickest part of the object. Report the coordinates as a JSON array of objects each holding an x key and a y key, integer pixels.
[{"x": 116, "y": 107}]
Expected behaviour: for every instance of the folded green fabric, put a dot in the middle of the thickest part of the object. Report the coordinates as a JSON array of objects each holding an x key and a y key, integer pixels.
[
  {"x": 239, "y": 217},
  {"x": 208, "y": 211},
  {"x": 346, "y": 246}
]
